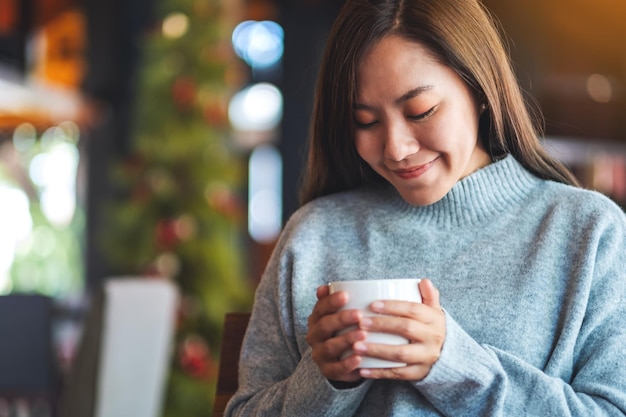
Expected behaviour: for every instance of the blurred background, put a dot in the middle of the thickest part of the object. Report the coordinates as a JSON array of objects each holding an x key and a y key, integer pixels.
[{"x": 162, "y": 140}]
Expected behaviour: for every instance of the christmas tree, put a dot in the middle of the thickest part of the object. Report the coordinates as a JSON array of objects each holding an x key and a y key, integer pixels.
[{"x": 178, "y": 212}]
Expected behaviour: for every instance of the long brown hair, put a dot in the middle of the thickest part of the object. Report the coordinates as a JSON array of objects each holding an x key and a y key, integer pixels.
[{"x": 459, "y": 33}]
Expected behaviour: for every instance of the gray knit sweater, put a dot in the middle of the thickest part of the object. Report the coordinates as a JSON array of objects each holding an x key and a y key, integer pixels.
[{"x": 532, "y": 276}]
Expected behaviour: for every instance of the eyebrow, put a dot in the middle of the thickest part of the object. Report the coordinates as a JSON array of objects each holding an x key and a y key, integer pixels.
[{"x": 404, "y": 97}]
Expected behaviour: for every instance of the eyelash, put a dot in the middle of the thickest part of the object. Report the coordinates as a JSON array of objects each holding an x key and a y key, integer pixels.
[
  {"x": 364, "y": 126},
  {"x": 424, "y": 115},
  {"x": 416, "y": 118}
]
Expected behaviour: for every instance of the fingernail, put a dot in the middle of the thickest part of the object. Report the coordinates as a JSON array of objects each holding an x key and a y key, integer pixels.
[
  {"x": 377, "y": 305},
  {"x": 365, "y": 373},
  {"x": 354, "y": 316},
  {"x": 359, "y": 347},
  {"x": 365, "y": 323}
]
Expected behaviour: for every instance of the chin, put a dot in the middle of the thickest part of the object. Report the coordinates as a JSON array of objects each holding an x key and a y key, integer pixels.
[{"x": 422, "y": 199}]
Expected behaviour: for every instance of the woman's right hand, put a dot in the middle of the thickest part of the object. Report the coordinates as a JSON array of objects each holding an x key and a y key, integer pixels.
[{"x": 325, "y": 323}]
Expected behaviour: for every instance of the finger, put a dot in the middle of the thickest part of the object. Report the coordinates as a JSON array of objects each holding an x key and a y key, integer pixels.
[
  {"x": 329, "y": 325},
  {"x": 413, "y": 353},
  {"x": 419, "y": 358},
  {"x": 327, "y": 356},
  {"x": 326, "y": 305},
  {"x": 345, "y": 370},
  {"x": 398, "y": 308},
  {"x": 405, "y": 373},
  {"x": 430, "y": 298},
  {"x": 408, "y": 328},
  {"x": 322, "y": 291},
  {"x": 430, "y": 294},
  {"x": 332, "y": 349},
  {"x": 429, "y": 331}
]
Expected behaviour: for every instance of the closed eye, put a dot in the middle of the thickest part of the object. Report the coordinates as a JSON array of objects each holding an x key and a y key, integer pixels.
[
  {"x": 365, "y": 126},
  {"x": 424, "y": 115},
  {"x": 418, "y": 117}
]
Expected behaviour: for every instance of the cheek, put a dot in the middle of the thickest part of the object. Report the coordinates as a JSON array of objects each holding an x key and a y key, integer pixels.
[
  {"x": 456, "y": 134},
  {"x": 365, "y": 148}
]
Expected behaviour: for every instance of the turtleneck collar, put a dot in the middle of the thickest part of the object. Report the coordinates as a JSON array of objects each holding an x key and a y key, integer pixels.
[{"x": 477, "y": 197}]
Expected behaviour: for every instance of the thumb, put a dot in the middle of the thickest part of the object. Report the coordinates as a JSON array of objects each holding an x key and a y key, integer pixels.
[
  {"x": 322, "y": 291},
  {"x": 430, "y": 294}
]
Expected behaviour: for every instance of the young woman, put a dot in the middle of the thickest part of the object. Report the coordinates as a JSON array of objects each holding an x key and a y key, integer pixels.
[{"x": 424, "y": 162}]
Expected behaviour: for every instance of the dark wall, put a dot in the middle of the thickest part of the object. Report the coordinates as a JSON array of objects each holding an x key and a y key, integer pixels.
[
  {"x": 306, "y": 25},
  {"x": 14, "y": 35},
  {"x": 114, "y": 28}
]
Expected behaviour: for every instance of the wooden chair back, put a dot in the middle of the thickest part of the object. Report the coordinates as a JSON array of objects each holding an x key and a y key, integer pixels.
[{"x": 235, "y": 325}]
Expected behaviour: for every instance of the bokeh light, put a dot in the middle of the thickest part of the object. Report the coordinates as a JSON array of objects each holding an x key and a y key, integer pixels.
[
  {"x": 599, "y": 88},
  {"x": 265, "y": 193},
  {"x": 54, "y": 172},
  {"x": 15, "y": 223},
  {"x": 39, "y": 247},
  {"x": 24, "y": 137},
  {"x": 259, "y": 43},
  {"x": 175, "y": 25},
  {"x": 256, "y": 108}
]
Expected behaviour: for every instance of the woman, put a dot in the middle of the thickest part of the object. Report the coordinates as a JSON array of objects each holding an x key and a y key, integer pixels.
[{"x": 424, "y": 162}]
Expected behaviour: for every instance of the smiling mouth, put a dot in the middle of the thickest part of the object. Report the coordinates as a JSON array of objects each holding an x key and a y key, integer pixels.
[{"x": 414, "y": 172}]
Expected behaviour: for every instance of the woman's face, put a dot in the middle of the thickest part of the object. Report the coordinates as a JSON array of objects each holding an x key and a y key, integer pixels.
[{"x": 416, "y": 121}]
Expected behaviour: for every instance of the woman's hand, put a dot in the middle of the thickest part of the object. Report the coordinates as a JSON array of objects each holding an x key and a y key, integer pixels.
[
  {"x": 423, "y": 324},
  {"x": 325, "y": 323}
]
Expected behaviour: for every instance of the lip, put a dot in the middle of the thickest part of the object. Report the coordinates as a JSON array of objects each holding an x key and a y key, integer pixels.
[{"x": 415, "y": 171}]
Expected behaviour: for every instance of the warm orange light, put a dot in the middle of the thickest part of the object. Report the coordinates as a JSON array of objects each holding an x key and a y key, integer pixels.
[
  {"x": 60, "y": 46},
  {"x": 8, "y": 16}
]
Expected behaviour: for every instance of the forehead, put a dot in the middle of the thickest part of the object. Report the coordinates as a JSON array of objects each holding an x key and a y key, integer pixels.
[
  {"x": 395, "y": 41},
  {"x": 395, "y": 65},
  {"x": 393, "y": 53}
]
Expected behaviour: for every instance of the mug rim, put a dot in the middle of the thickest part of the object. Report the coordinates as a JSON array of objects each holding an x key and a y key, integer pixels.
[{"x": 361, "y": 281}]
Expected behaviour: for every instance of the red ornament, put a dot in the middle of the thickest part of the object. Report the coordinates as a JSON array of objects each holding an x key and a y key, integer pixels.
[
  {"x": 223, "y": 200},
  {"x": 184, "y": 93},
  {"x": 166, "y": 235},
  {"x": 215, "y": 114},
  {"x": 195, "y": 358}
]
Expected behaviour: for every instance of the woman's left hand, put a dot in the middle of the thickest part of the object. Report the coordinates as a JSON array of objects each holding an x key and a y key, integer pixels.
[{"x": 423, "y": 324}]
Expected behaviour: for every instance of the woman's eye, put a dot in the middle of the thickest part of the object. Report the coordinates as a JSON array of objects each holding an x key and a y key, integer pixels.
[
  {"x": 364, "y": 125},
  {"x": 424, "y": 115}
]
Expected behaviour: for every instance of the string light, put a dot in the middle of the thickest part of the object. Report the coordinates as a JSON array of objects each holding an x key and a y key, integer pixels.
[{"x": 175, "y": 25}]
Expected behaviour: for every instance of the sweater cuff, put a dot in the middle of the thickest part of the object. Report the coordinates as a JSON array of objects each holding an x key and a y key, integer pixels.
[
  {"x": 463, "y": 368},
  {"x": 308, "y": 382}
]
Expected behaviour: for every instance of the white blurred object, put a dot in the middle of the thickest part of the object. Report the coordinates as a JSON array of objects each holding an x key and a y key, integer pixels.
[
  {"x": 265, "y": 194},
  {"x": 137, "y": 332},
  {"x": 123, "y": 360},
  {"x": 16, "y": 224},
  {"x": 55, "y": 103}
]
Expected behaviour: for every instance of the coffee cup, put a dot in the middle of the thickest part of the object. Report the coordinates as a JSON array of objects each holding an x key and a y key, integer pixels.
[{"x": 364, "y": 292}]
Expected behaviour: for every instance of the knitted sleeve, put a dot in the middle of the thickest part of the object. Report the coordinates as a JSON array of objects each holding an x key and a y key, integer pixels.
[
  {"x": 471, "y": 379},
  {"x": 275, "y": 378}
]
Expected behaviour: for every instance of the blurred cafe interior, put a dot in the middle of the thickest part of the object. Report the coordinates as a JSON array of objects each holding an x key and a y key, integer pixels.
[{"x": 150, "y": 152}]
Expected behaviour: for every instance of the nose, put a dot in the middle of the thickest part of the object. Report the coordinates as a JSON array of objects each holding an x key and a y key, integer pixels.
[{"x": 400, "y": 142}]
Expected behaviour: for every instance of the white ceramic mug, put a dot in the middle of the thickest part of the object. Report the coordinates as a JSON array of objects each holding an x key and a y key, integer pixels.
[{"x": 362, "y": 293}]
